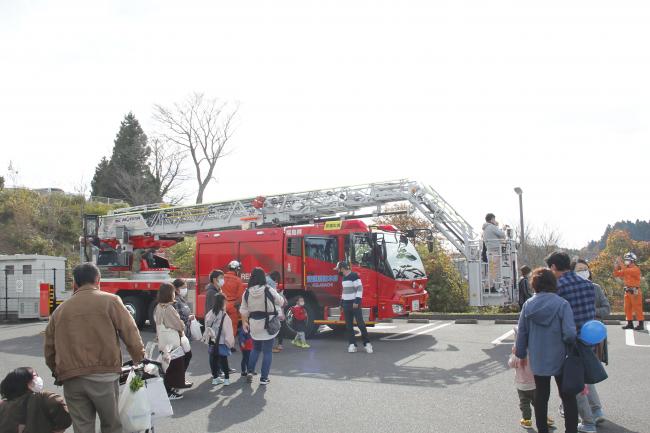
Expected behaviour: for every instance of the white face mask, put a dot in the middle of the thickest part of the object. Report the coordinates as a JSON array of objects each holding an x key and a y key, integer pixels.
[
  {"x": 301, "y": 303},
  {"x": 37, "y": 384},
  {"x": 583, "y": 274},
  {"x": 183, "y": 292},
  {"x": 627, "y": 262},
  {"x": 220, "y": 281}
]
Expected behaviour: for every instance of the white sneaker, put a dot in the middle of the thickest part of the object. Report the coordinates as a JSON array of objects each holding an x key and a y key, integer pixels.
[
  {"x": 368, "y": 347},
  {"x": 352, "y": 348},
  {"x": 217, "y": 381},
  {"x": 226, "y": 382}
]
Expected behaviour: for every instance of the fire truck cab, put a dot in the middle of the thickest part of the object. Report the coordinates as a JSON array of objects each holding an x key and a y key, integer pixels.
[{"x": 387, "y": 262}]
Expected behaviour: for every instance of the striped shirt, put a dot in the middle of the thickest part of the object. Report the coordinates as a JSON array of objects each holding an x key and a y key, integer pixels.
[{"x": 352, "y": 288}]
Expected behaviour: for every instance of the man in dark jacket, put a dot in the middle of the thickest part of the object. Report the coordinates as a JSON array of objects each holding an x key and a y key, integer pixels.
[
  {"x": 524, "y": 286},
  {"x": 213, "y": 289}
]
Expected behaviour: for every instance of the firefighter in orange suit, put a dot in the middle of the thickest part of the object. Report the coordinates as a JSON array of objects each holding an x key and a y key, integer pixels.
[
  {"x": 233, "y": 290},
  {"x": 631, "y": 275}
]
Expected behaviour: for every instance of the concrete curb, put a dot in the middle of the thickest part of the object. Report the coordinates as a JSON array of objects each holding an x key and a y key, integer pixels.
[
  {"x": 466, "y": 322},
  {"x": 418, "y": 321}
]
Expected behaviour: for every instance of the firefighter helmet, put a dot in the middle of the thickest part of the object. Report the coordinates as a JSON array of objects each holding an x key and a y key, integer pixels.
[
  {"x": 630, "y": 256},
  {"x": 234, "y": 265}
]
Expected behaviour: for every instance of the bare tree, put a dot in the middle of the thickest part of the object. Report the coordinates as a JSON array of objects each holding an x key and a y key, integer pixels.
[
  {"x": 202, "y": 127},
  {"x": 539, "y": 244},
  {"x": 166, "y": 165}
]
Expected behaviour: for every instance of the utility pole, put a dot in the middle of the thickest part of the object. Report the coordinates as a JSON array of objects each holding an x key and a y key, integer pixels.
[{"x": 520, "y": 193}]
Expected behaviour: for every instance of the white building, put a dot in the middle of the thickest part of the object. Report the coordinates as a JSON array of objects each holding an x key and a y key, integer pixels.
[{"x": 20, "y": 278}]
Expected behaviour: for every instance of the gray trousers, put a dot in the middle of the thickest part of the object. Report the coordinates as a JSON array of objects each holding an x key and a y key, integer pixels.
[
  {"x": 86, "y": 399},
  {"x": 526, "y": 400},
  {"x": 587, "y": 404}
]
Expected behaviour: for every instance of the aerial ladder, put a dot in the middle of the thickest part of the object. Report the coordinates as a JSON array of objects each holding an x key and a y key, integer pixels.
[{"x": 158, "y": 225}]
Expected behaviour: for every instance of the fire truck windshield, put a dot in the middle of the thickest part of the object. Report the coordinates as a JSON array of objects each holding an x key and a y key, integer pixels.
[{"x": 403, "y": 258}]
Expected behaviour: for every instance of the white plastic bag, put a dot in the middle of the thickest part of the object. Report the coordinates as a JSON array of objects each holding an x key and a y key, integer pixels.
[
  {"x": 157, "y": 395},
  {"x": 195, "y": 330},
  {"x": 134, "y": 407},
  {"x": 185, "y": 344}
]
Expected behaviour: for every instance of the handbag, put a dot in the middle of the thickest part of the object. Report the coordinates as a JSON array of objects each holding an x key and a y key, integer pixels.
[
  {"x": 573, "y": 372},
  {"x": 594, "y": 372},
  {"x": 185, "y": 344},
  {"x": 273, "y": 325}
]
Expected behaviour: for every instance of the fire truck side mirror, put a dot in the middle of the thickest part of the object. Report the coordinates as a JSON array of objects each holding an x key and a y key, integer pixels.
[{"x": 430, "y": 245}]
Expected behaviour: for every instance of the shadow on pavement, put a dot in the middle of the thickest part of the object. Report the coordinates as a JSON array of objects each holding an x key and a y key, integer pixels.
[
  {"x": 29, "y": 346},
  {"x": 389, "y": 364}
]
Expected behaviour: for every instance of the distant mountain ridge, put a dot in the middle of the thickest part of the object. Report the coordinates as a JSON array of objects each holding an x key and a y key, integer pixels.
[{"x": 639, "y": 231}]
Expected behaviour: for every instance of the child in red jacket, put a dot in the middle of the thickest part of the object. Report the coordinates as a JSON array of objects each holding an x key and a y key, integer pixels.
[{"x": 299, "y": 323}]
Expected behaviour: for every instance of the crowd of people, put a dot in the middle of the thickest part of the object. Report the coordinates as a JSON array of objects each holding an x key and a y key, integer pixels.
[
  {"x": 82, "y": 341},
  {"x": 563, "y": 298},
  {"x": 82, "y": 344}
]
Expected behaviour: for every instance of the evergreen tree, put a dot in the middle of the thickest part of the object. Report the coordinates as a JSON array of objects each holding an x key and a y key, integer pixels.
[{"x": 127, "y": 175}]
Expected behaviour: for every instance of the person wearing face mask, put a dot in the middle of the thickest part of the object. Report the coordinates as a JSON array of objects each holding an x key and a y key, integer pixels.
[
  {"x": 185, "y": 313},
  {"x": 351, "y": 303},
  {"x": 26, "y": 408},
  {"x": 589, "y": 405},
  {"x": 213, "y": 289},
  {"x": 633, "y": 301}
]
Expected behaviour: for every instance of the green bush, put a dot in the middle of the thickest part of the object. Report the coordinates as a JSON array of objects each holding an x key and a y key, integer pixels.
[{"x": 447, "y": 288}]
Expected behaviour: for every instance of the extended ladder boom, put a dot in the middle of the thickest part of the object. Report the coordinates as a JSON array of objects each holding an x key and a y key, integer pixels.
[{"x": 292, "y": 209}]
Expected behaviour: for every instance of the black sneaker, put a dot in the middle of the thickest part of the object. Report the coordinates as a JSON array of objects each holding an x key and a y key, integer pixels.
[
  {"x": 265, "y": 381},
  {"x": 175, "y": 396}
]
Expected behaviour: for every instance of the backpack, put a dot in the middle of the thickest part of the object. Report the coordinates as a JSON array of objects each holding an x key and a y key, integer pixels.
[{"x": 273, "y": 325}]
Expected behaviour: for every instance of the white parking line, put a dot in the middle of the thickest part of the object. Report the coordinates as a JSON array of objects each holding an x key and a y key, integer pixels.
[
  {"x": 629, "y": 339},
  {"x": 503, "y": 337},
  {"x": 392, "y": 336},
  {"x": 409, "y": 336}
]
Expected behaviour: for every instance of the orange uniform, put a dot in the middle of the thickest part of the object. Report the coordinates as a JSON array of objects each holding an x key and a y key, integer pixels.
[
  {"x": 633, "y": 301},
  {"x": 233, "y": 290}
]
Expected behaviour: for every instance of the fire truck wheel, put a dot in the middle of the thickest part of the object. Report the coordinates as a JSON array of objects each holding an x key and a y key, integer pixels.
[{"x": 135, "y": 306}]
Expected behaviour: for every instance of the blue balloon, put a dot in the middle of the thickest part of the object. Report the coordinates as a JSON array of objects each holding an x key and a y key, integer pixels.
[{"x": 593, "y": 332}]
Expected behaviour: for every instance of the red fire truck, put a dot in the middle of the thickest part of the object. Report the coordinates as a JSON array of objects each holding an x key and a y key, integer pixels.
[
  {"x": 390, "y": 268},
  {"x": 301, "y": 235}
]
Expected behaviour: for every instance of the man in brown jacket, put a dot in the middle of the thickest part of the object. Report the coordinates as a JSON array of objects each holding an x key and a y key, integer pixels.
[{"x": 82, "y": 349}]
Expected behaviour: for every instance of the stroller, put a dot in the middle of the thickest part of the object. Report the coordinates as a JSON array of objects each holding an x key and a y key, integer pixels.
[{"x": 148, "y": 371}]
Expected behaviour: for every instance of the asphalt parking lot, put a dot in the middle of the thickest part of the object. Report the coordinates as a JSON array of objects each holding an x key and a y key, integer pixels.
[{"x": 433, "y": 377}]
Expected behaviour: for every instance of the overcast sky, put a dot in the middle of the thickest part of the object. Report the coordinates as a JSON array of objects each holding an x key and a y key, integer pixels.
[{"x": 472, "y": 97}]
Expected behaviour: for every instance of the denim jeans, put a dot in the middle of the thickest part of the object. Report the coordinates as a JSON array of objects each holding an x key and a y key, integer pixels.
[
  {"x": 266, "y": 348},
  {"x": 587, "y": 404}
]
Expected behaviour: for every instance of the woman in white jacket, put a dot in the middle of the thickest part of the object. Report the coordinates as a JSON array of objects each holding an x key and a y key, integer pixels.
[
  {"x": 221, "y": 326},
  {"x": 260, "y": 305}
]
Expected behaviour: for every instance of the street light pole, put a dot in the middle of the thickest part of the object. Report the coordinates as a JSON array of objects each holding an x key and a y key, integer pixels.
[{"x": 520, "y": 193}]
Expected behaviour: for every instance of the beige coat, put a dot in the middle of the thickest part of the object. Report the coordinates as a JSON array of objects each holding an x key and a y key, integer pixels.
[{"x": 83, "y": 335}]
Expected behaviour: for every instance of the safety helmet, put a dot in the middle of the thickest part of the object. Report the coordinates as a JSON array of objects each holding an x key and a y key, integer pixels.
[
  {"x": 234, "y": 265},
  {"x": 630, "y": 256}
]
